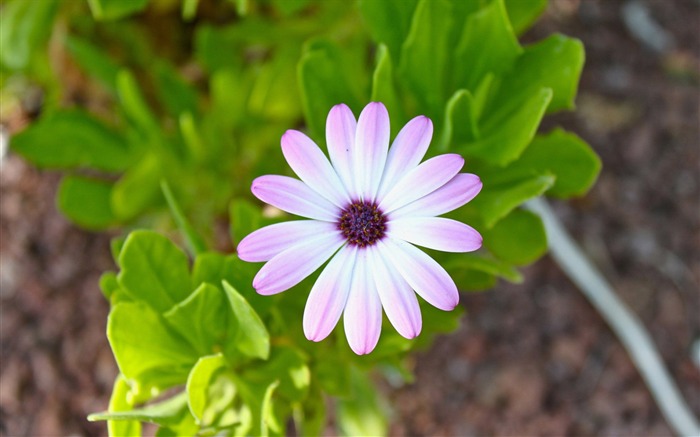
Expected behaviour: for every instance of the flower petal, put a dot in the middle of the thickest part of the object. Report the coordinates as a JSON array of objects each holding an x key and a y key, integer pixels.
[
  {"x": 423, "y": 273},
  {"x": 406, "y": 152},
  {"x": 293, "y": 196},
  {"x": 312, "y": 167},
  {"x": 371, "y": 146},
  {"x": 329, "y": 294},
  {"x": 340, "y": 138},
  {"x": 265, "y": 243},
  {"x": 363, "y": 311},
  {"x": 424, "y": 179},
  {"x": 457, "y": 192},
  {"x": 398, "y": 298},
  {"x": 436, "y": 233},
  {"x": 293, "y": 265}
]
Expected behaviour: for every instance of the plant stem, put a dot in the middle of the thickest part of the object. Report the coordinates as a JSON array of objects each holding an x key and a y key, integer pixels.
[{"x": 622, "y": 321}]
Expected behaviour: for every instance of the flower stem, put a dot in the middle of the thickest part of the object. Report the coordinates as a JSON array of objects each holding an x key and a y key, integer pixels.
[{"x": 624, "y": 323}]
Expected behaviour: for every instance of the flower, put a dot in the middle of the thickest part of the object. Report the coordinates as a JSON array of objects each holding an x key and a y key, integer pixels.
[{"x": 367, "y": 207}]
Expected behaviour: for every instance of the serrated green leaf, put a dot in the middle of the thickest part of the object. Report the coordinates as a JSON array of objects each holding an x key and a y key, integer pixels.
[
  {"x": 138, "y": 189},
  {"x": 384, "y": 89},
  {"x": 362, "y": 413},
  {"x": 523, "y": 13},
  {"x": 70, "y": 139},
  {"x": 248, "y": 335},
  {"x": 104, "y": 10},
  {"x": 519, "y": 238},
  {"x": 202, "y": 319},
  {"x": 497, "y": 200},
  {"x": 504, "y": 135},
  {"x": 554, "y": 63},
  {"x": 324, "y": 83},
  {"x": 565, "y": 155},
  {"x": 24, "y": 27},
  {"x": 146, "y": 351},
  {"x": 154, "y": 270},
  {"x": 489, "y": 27},
  {"x": 425, "y": 57},
  {"x": 167, "y": 412},
  {"x": 389, "y": 21},
  {"x": 86, "y": 201}
]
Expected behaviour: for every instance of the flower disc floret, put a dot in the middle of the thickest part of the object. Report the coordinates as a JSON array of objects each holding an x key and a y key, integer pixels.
[{"x": 362, "y": 223}]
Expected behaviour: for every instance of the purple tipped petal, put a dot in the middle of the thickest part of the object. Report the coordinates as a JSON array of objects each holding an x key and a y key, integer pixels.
[
  {"x": 296, "y": 263},
  {"x": 436, "y": 233},
  {"x": 422, "y": 272},
  {"x": 424, "y": 179},
  {"x": 406, "y": 152},
  {"x": 457, "y": 192},
  {"x": 329, "y": 294},
  {"x": 293, "y": 196},
  {"x": 340, "y": 137},
  {"x": 371, "y": 146},
  {"x": 312, "y": 167},
  {"x": 398, "y": 299},
  {"x": 363, "y": 311},
  {"x": 267, "y": 242}
]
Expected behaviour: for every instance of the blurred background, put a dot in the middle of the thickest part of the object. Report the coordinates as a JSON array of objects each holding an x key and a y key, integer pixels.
[{"x": 528, "y": 359}]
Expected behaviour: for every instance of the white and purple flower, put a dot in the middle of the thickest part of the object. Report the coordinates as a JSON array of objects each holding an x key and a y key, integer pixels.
[{"x": 367, "y": 207}]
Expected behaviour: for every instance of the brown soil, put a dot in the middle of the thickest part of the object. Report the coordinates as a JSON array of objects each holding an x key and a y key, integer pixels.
[{"x": 529, "y": 359}]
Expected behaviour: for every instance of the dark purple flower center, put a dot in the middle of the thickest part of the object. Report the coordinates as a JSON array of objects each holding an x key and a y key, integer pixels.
[{"x": 362, "y": 223}]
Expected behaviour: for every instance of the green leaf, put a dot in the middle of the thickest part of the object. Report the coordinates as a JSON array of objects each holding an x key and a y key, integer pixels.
[
  {"x": 250, "y": 337},
  {"x": 154, "y": 270},
  {"x": 332, "y": 372},
  {"x": 93, "y": 60},
  {"x": 145, "y": 349},
  {"x": 389, "y": 21},
  {"x": 24, "y": 28},
  {"x": 70, "y": 139},
  {"x": 518, "y": 239},
  {"x": 189, "y": 9},
  {"x": 425, "y": 55},
  {"x": 384, "y": 90},
  {"x": 86, "y": 201},
  {"x": 199, "y": 389},
  {"x": 177, "y": 96},
  {"x": 497, "y": 200},
  {"x": 290, "y": 7},
  {"x": 288, "y": 366},
  {"x": 474, "y": 272},
  {"x": 104, "y": 10},
  {"x": 490, "y": 28},
  {"x": 523, "y": 13},
  {"x": 460, "y": 121},
  {"x": 568, "y": 157},
  {"x": 362, "y": 413},
  {"x": 109, "y": 284},
  {"x": 194, "y": 240},
  {"x": 119, "y": 401},
  {"x": 504, "y": 135},
  {"x": 167, "y": 412},
  {"x": 134, "y": 104},
  {"x": 323, "y": 83},
  {"x": 555, "y": 63},
  {"x": 138, "y": 189},
  {"x": 202, "y": 319}
]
